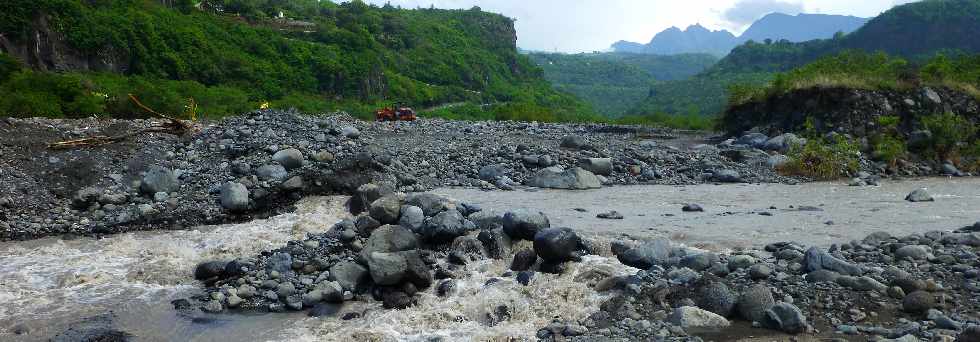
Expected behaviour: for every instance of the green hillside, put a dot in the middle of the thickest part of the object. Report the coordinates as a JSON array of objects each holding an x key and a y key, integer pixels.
[
  {"x": 614, "y": 82},
  {"x": 349, "y": 56},
  {"x": 915, "y": 31}
]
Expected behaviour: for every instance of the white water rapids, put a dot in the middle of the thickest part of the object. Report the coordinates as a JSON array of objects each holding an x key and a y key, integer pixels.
[{"x": 50, "y": 283}]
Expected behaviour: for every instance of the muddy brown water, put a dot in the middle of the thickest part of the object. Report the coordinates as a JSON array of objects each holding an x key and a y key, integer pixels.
[{"x": 47, "y": 284}]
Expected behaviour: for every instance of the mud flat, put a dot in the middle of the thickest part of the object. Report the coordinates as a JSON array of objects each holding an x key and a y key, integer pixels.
[{"x": 742, "y": 215}]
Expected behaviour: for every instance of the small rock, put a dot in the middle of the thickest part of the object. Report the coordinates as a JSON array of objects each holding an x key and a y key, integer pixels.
[
  {"x": 692, "y": 208},
  {"x": 612, "y": 215},
  {"x": 692, "y": 317},
  {"x": 919, "y": 195}
]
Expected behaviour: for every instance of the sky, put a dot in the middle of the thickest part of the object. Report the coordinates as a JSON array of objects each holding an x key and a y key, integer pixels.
[{"x": 593, "y": 25}]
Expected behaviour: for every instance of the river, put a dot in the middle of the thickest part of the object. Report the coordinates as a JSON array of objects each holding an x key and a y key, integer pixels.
[{"x": 47, "y": 284}]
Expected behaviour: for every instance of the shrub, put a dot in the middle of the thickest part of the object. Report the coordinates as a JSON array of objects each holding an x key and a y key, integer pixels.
[
  {"x": 948, "y": 132},
  {"x": 823, "y": 158},
  {"x": 889, "y": 149}
]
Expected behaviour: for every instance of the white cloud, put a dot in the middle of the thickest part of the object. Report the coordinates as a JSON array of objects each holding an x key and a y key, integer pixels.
[
  {"x": 588, "y": 25},
  {"x": 745, "y": 12}
]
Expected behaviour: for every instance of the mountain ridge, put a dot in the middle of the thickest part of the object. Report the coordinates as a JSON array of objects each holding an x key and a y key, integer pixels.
[{"x": 775, "y": 26}]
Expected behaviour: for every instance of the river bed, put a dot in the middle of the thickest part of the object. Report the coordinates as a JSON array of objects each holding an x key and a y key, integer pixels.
[{"x": 50, "y": 283}]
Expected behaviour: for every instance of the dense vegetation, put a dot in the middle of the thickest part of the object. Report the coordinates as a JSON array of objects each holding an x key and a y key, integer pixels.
[
  {"x": 356, "y": 57},
  {"x": 872, "y": 71},
  {"x": 915, "y": 31},
  {"x": 614, "y": 82}
]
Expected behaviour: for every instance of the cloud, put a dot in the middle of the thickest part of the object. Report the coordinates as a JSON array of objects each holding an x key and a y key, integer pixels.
[{"x": 746, "y": 12}]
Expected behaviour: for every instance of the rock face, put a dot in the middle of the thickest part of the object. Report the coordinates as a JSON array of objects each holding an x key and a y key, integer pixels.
[
  {"x": 159, "y": 179},
  {"x": 557, "y": 244},
  {"x": 572, "y": 179},
  {"x": 858, "y": 116},
  {"x": 692, "y": 317},
  {"x": 234, "y": 196}
]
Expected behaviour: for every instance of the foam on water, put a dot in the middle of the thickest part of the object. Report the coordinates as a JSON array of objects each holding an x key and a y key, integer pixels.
[
  {"x": 49, "y": 282},
  {"x": 467, "y": 315}
]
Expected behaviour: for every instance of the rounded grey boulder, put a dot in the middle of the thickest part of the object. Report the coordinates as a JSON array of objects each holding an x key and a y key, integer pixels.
[
  {"x": 271, "y": 172},
  {"x": 290, "y": 158},
  {"x": 524, "y": 224},
  {"x": 717, "y": 298},
  {"x": 754, "y": 302},
  {"x": 159, "y": 179},
  {"x": 919, "y": 195},
  {"x": 234, "y": 196},
  {"x": 557, "y": 244},
  {"x": 386, "y": 209}
]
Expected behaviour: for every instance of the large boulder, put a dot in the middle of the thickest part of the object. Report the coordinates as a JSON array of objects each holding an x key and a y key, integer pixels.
[
  {"x": 599, "y": 166},
  {"x": 491, "y": 173},
  {"x": 387, "y": 268},
  {"x": 523, "y": 260},
  {"x": 487, "y": 219},
  {"x": 431, "y": 204},
  {"x": 717, "y": 298},
  {"x": 386, "y": 209},
  {"x": 571, "y": 179},
  {"x": 290, "y": 158},
  {"x": 159, "y": 179},
  {"x": 417, "y": 271},
  {"x": 350, "y": 275},
  {"x": 524, "y": 224},
  {"x": 443, "y": 227},
  {"x": 817, "y": 259},
  {"x": 271, "y": 172},
  {"x": 209, "y": 270},
  {"x": 726, "y": 176},
  {"x": 919, "y": 195},
  {"x": 388, "y": 239},
  {"x": 557, "y": 244},
  {"x": 754, "y": 302},
  {"x": 918, "y": 302},
  {"x": 646, "y": 255},
  {"x": 692, "y": 317},
  {"x": 783, "y": 143},
  {"x": 234, "y": 197},
  {"x": 496, "y": 242},
  {"x": 785, "y": 317},
  {"x": 412, "y": 217},
  {"x": 367, "y": 194},
  {"x": 756, "y": 140},
  {"x": 574, "y": 142}
]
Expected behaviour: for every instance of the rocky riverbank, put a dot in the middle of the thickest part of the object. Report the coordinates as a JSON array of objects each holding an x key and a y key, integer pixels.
[
  {"x": 912, "y": 288},
  {"x": 257, "y": 164}
]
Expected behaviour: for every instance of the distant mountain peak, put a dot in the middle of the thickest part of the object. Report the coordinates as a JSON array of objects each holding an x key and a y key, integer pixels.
[{"x": 776, "y": 26}]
